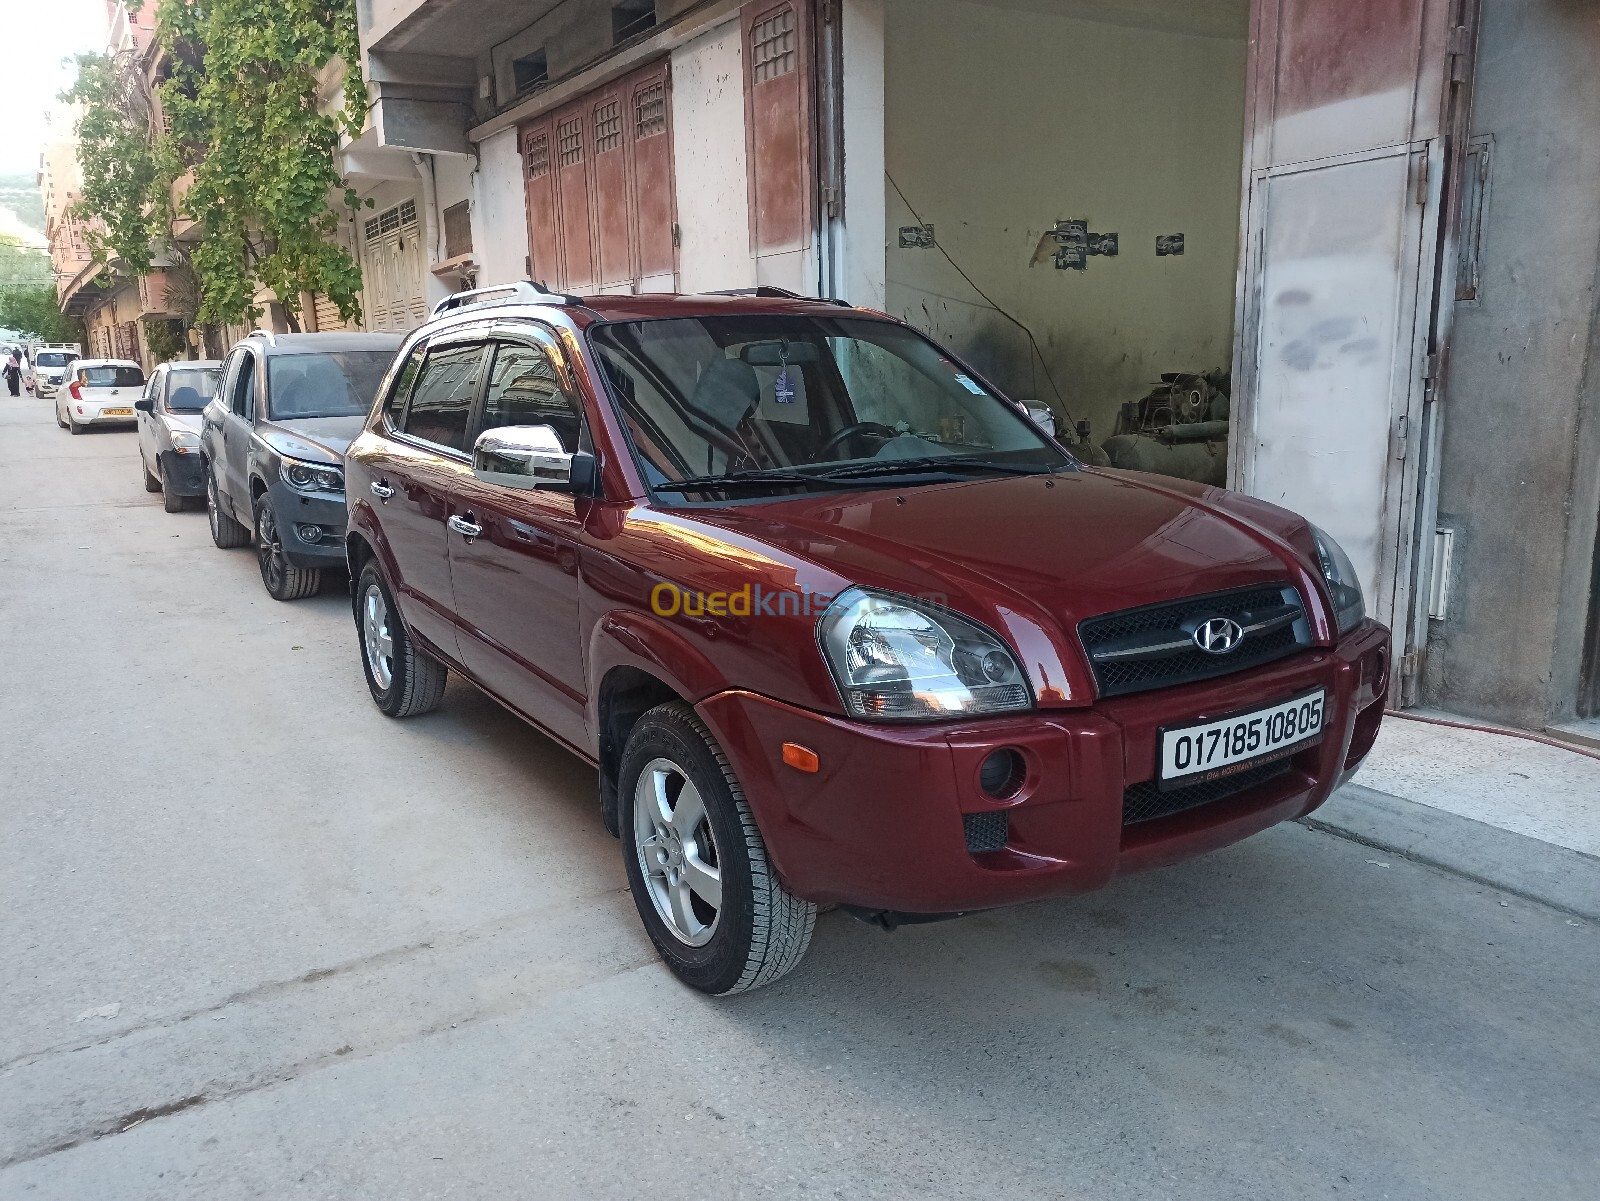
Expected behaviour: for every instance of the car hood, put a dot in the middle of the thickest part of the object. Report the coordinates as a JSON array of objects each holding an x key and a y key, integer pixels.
[
  {"x": 1034, "y": 555},
  {"x": 188, "y": 423},
  {"x": 315, "y": 439}
]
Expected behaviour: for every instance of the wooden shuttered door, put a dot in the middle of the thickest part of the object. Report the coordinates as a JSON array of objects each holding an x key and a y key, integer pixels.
[
  {"x": 326, "y": 314},
  {"x": 598, "y": 180},
  {"x": 779, "y": 117}
]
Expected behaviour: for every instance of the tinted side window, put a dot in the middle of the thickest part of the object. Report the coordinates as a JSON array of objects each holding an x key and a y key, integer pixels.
[
  {"x": 243, "y": 399},
  {"x": 395, "y": 406},
  {"x": 441, "y": 403},
  {"x": 524, "y": 389}
]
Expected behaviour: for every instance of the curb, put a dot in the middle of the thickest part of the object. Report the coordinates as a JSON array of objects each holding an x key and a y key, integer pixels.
[{"x": 1539, "y": 871}]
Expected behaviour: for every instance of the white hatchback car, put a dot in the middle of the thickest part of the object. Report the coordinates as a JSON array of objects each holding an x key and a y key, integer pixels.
[{"x": 99, "y": 391}]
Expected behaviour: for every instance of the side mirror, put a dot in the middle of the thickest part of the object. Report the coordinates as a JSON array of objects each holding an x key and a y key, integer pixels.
[
  {"x": 1041, "y": 415},
  {"x": 145, "y": 405},
  {"x": 530, "y": 457}
]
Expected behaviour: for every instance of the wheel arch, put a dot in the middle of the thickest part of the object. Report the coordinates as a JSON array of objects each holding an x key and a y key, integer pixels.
[{"x": 625, "y": 694}]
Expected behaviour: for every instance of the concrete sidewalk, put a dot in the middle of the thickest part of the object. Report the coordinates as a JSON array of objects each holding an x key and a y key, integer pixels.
[{"x": 1503, "y": 810}]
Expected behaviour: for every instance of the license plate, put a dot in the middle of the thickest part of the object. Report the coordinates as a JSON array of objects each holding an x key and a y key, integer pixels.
[
  {"x": 1209, "y": 750},
  {"x": 116, "y": 412}
]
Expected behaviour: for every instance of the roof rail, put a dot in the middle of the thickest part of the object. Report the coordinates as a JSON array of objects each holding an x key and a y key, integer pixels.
[
  {"x": 773, "y": 292},
  {"x": 522, "y": 291},
  {"x": 272, "y": 338}
]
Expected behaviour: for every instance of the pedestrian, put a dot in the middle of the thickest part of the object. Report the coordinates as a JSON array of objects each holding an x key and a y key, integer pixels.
[{"x": 13, "y": 371}]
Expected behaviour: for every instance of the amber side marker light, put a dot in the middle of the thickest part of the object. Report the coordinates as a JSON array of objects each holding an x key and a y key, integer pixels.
[{"x": 800, "y": 758}]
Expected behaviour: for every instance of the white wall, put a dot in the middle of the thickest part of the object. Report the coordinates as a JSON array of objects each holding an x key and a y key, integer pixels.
[
  {"x": 1000, "y": 121},
  {"x": 708, "y": 148},
  {"x": 865, "y": 256},
  {"x": 499, "y": 211}
]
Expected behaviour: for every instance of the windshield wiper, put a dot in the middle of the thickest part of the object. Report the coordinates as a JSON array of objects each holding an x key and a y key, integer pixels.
[
  {"x": 734, "y": 479},
  {"x": 933, "y": 463}
]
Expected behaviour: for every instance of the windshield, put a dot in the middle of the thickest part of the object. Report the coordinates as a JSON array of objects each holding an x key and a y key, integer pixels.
[
  {"x": 111, "y": 377},
  {"x": 337, "y": 383},
  {"x": 798, "y": 399},
  {"x": 52, "y": 358},
  {"x": 189, "y": 389}
]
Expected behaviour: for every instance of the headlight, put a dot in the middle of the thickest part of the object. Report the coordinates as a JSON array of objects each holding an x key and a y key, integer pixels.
[
  {"x": 1343, "y": 586},
  {"x": 311, "y": 477},
  {"x": 184, "y": 442},
  {"x": 897, "y": 660}
]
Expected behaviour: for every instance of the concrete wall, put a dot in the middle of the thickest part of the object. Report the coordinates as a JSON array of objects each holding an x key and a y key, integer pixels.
[
  {"x": 708, "y": 147},
  {"x": 1002, "y": 119},
  {"x": 499, "y": 212},
  {"x": 1521, "y": 437},
  {"x": 865, "y": 217}
]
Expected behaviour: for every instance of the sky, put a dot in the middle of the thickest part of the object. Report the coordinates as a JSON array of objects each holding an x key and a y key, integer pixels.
[{"x": 37, "y": 36}]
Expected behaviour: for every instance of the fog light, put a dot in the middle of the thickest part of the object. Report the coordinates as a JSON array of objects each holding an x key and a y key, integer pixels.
[
  {"x": 1002, "y": 773},
  {"x": 309, "y": 533}
]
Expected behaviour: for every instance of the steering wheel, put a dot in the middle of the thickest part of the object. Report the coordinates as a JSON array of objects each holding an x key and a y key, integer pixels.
[{"x": 876, "y": 428}]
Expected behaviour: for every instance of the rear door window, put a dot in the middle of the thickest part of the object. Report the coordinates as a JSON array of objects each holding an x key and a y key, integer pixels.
[
  {"x": 111, "y": 377},
  {"x": 440, "y": 411}
]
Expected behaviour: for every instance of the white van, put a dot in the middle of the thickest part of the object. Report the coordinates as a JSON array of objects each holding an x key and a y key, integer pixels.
[{"x": 50, "y": 362}]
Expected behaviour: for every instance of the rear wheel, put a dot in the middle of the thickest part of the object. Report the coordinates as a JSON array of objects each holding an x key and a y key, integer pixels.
[
  {"x": 697, "y": 866},
  {"x": 59, "y": 421},
  {"x": 284, "y": 581},
  {"x": 404, "y": 681},
  {"x": 72, "y": 426},
  {"x": 170, "y": 500},
  {"x": 225, "y": 531}
]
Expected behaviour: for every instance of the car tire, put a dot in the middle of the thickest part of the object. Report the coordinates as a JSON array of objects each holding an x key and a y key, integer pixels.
[
  {"x": 170, "y": 500},
  {"x": 754, "y": 930},
  {"x": 404, "y": 680},
  {"x": 151, "y": 483},
  {"x": 59, "y": 421},
  {"x": 72, "y": 426},
  {"x": 282, "y": 579},
  {"x": 226, "y": 533}
]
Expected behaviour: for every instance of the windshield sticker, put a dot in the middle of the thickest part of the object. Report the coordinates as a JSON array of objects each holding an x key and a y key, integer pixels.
[
  {"x": 971, "y": 385},
  {"x": 783, "y": 388}
]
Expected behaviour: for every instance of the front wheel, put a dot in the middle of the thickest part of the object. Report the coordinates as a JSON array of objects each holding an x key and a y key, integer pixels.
[
  {"x": 404, "y": 681},
  {"x": 284, "y": 581},
  {"x": 151, "y": 483},
  {"x": 171, "y": 501},
  {"x": 697, "y": 866}
]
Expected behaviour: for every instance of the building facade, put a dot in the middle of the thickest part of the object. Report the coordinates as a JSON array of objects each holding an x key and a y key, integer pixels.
[{"x": 1337, "y": 253}]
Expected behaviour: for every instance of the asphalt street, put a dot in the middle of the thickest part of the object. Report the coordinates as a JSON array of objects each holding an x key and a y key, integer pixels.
[{"x": 258, "y": 941}]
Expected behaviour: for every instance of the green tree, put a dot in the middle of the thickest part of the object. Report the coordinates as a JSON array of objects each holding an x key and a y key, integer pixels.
[
  {"x": 22, "y": 266},
  {"x": 246, "y": 118},
  {"x": 125, "y": 190},
  {"x": 32, "y": 310}
]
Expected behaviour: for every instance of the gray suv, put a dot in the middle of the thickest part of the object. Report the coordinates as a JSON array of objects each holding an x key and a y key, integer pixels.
[{"x": 272, "y": 444}]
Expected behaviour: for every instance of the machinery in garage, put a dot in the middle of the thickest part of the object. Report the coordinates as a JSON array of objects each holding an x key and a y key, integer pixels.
[{"x": 1179, "y": 428}]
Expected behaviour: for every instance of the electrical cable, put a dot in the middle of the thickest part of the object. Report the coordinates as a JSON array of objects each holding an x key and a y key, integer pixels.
[{"x": 1032, "y": 342}]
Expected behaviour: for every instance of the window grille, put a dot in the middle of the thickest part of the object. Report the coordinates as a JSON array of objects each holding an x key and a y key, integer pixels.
[
  {"x": 608, "y": 127},
  {"x": 569, "y": 142},
  {"x": 650, "y": 110},
  {"x": 537, "y": 156},
  {"x": 772, "y": 46}
]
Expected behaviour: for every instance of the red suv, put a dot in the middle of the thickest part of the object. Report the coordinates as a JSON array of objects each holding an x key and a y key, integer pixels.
[{"x": 837, "y": 622}]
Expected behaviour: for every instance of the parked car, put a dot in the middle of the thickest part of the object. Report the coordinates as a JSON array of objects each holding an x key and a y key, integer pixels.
[
  {"x": 50, "y": 362},
  {"x": 169, "y": 429},
  {"x": 837, "y": 623},
  {"x": 99, "y": 392},
  {"x": 272, "y": 445}
]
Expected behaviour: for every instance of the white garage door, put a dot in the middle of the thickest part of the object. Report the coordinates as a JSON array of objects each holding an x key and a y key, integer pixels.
[{"x": 391, "y": 270}]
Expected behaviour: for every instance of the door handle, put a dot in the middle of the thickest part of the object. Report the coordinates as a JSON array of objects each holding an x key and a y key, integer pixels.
[
  {"x": 465, "y": 526},
  {"x": 381, "y": 489}
]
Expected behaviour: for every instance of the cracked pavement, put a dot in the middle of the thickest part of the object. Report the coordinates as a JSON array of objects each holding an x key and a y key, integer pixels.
[{"x": 343, "y": 957}]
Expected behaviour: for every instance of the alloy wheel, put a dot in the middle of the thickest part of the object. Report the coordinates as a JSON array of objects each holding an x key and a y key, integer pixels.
[
  {"x": 677, "y": 852},
  {"x": 269, "y": 548},
  {"x": 376, "y": 637}
]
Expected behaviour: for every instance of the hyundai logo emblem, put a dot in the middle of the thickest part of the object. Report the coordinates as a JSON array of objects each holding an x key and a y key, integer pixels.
[{"x": 1218, "y": 636}]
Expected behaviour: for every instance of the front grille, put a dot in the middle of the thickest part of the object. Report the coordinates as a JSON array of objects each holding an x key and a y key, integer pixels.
[
  {"x": 1173, "y": 622},
  {"x": 1145, "y": 801},
  {"x": 986, "y": 831}
]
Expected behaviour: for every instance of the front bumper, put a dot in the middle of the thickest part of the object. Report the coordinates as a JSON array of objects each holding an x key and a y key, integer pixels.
[
  {"x": 295, "y": 509},
  {"x": 185, "y": 474},
  {"x": 882, "y": 824}
]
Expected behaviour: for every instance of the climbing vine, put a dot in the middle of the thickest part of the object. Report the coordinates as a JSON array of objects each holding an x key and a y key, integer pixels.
[{"x": 123, "y": 182}]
